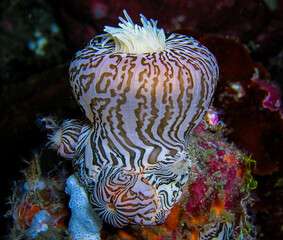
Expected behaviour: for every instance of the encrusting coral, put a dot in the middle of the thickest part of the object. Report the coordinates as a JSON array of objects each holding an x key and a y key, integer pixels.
[{"x": 84, "y": 222}]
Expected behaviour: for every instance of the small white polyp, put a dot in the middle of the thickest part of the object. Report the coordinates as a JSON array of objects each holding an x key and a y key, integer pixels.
[{"x": 84, "y": 223}]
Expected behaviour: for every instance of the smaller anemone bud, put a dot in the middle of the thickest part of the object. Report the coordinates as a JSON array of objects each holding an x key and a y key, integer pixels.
[
  {"x": 55, "y": 139},
  {"x": 65, "y": 139},
  {"x": 131, "y": 38}
]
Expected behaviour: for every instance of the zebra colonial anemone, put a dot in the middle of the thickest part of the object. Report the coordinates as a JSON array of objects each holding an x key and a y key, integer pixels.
[{"x": 142, "y": 91}]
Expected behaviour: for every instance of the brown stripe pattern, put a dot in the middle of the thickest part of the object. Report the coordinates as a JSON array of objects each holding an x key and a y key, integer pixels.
[
  {"x": 143, "y": 105},
  {"x": 131, "y": 155},
  {"x": 216, "y": 231}
]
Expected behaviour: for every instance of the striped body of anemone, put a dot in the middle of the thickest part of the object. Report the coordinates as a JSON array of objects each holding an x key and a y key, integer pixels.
[
  {"x": 143, "y": 92},
  {"x": 216, "y": 230}
]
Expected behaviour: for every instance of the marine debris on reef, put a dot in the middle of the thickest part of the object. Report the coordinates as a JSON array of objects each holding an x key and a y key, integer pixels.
[{"x": 214, "y": 202}]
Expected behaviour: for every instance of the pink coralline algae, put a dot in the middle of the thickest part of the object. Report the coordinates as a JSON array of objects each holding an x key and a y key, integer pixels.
[
  {"x": 272, "y": 100},
  {"x": 212, "y": 117},
  {"x": 220, "y": 178}
]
